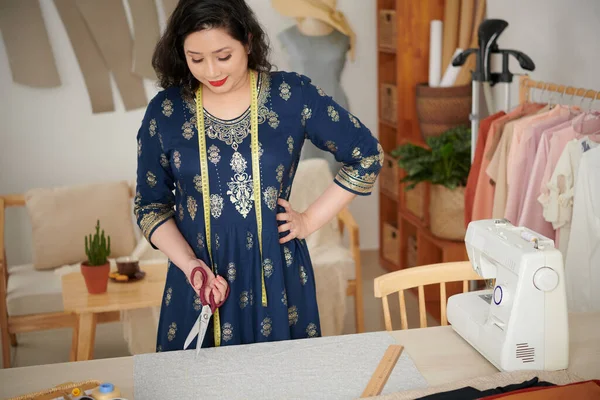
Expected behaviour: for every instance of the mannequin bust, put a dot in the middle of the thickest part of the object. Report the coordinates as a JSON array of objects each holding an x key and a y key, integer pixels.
[{"x": 318, "y": 50}]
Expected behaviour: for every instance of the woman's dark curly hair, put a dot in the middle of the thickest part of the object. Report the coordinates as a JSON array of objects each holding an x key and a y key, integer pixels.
[{"x": 191, "y": 16}]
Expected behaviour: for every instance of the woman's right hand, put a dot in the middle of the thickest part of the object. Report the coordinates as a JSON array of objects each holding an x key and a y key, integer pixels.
[{"x": 197, "y": 284}]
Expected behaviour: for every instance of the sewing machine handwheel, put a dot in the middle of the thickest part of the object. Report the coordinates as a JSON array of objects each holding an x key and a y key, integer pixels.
[{"x": 545, "y": 279}]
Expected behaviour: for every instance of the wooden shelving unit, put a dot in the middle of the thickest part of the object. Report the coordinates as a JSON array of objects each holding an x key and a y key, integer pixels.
[{"x": 403, "y": 62}]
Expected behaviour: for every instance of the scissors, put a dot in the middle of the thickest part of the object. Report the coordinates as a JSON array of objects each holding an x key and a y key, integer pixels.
[{"x": 208, "y": 308}]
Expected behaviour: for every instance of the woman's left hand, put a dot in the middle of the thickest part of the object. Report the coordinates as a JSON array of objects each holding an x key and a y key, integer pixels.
[{"x": 297, "y": 223}]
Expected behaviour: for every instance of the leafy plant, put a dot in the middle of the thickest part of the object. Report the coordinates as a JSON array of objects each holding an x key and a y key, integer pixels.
[
  {"x": 446, "y": 162},
  {"x": 97, "y": 247}
]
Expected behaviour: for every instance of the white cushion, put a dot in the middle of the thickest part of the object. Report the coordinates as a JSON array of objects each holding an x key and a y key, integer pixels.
[
  {"x": 336, "y": 255},
  {"x": 31, "y": 291}
]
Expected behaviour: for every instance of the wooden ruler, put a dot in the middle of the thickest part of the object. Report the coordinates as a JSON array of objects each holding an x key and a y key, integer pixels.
[{"x": 383, "y": 371}]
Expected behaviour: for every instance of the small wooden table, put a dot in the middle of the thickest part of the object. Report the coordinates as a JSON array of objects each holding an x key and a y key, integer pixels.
[{"x": 95, "y": 308}]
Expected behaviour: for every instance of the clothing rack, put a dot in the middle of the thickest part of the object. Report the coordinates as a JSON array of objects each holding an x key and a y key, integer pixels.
[{"x": 526, "y": 84}]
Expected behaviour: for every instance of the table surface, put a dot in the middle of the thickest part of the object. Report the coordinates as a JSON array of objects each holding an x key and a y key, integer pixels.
[
  {"x": 439, "y": 353},
  {"x": 147, "y": 292}
]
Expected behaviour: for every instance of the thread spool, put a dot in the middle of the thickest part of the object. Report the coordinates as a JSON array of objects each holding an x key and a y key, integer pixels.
[{"x": 106, "y": 391}]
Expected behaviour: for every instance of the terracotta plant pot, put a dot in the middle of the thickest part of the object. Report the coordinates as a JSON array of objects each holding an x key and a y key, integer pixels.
[{"x": 96, "y": 277}]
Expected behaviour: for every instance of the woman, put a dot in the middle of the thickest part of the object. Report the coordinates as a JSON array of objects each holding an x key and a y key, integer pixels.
[{"x": 213, "y": 58}]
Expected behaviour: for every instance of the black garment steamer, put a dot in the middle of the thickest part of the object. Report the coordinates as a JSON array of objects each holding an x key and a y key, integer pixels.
[{"x": 488, "y": 32}]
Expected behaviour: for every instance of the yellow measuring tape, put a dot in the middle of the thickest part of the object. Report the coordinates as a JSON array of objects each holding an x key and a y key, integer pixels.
[{"x": 206, "y": 188}]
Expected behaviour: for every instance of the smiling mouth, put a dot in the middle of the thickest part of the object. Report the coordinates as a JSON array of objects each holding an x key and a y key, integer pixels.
[{"x": 218, "y": 83}]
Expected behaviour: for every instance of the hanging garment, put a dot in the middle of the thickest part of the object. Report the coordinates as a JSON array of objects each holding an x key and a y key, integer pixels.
[
  {"x": 514, "y": 167},
  {"x": 525, "y": 147},
  {"x": 582, "y": 266},
  {"x": 497, "y": 169},
  {"x": 557, "y": 142},
  {"x": 559, "y": 208},
  {"x": 471, "y": 188},
  {"x": 146, "y": 35},
  {"x": 95, "y": 72},
  {"x": 108, "y": 24},
  {"x": 484, "y": 193},
  {"x": 29, "y": 51}
]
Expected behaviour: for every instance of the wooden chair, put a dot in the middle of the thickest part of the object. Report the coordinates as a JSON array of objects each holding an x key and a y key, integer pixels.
[
  {"x": 355, "y": 286},
  {"x": 419, "y": 277},
  {"x": 11, "y": 325}
]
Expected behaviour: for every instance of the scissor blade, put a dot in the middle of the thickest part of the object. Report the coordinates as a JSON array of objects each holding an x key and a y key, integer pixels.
[
  {"x": 204, "y": 319},
  {"x": 193, "y": 333}
]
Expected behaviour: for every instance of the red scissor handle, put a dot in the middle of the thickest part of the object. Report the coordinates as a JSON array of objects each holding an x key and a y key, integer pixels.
[{"x": 211, "y": 301}]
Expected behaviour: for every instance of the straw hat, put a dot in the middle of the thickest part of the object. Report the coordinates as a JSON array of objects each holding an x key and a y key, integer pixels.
[{"x": 323, "y": 10}]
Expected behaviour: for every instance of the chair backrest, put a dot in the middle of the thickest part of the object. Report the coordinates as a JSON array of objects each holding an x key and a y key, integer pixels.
[{"x": 418, "y": 277}]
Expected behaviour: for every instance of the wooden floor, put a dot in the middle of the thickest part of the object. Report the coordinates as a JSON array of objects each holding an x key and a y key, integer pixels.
[{"x": 50, "y": 347}]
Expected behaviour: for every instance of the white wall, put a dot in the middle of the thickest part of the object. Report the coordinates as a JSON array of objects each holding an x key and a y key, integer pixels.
[
  {"x": 560, "y": 36},
  {"x": 49, "y": 137}
]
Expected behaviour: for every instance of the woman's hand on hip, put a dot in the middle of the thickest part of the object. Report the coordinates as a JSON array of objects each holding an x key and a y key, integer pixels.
[{"x": 296, "y": 223}]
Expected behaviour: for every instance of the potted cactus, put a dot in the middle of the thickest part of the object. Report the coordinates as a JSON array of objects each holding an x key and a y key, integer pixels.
[{"x": 97, "y": 268}]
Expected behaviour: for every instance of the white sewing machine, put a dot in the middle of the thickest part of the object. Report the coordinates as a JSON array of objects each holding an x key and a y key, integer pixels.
[{"x": 522, "y": 323}]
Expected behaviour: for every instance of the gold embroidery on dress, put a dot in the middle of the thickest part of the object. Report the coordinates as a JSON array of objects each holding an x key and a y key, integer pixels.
[
  {"x": 177, "y": 159},
  {"x": 158, "y": 348},
  {"x": 217, "y": 243},
  {"x": 266, "y": 327},
  {"x": 152, "y": 128},
  {"x": 187, "y": 130},
  {"x": 332, "y": 112},
  {"x": 288, "y": 256},
  {"x": 200, "y": 241},
  {"x": 303, "y": 276},
  {"x": 285, "y": 91},
  {"x": 139, "y": 147},
  {"x": 306, "y": 114},
  {"x": 280, "y": 170},
  {"x": 213, "y": 154},
  {"x": 293, "y": 315},
  {"x": 241, "y": 190},
  {"x": 251, "y": 297},
  {"x": 356, "y": 154},
  {"x": 151, "y": 179},
  {"x": 331, "y": 146},
  {"x": 290, "y": 143},
  {"x": 172, "y": 331},
  {"x": 244, "y": 299},
  {"x": 192, "y": 207},
  {"x": 216, "y": 205},
  {"x": 168, "y": 296},
  {"x": 181, "y": 212},
  {"x": 311, "y": 330},
  {"x": 198, "y": 183},
  {"x": 227, "y": 332},
  {"x": 231, "y": 272},
  {"x": 167, "y": 107},
  {"x": 164, "y": 161},
  {"x": 320, "y": 91},
  {"x": 151, "y": 215},
  {"x": 197, "y": 302},
  {"x": 270, "y": 197},
  {"x": 284, "y": 298},
  {"x": 249, "y": 240},
  {"x": 354, "y": 120},
  {"x": 268, "y": 267}
]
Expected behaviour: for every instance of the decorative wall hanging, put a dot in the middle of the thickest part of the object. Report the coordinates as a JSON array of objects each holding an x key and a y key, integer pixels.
[
  {"x": 146, "y": 35},
  {"x": 29, "y": 51}
]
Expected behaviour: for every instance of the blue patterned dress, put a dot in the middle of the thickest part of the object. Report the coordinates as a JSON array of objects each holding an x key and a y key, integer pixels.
[{"x": 290, "y": 110}]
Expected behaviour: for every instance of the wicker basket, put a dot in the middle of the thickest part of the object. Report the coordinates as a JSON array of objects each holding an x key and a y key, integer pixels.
[
  {"x": 389, "y": 103},
  {"x": 447, "y": 212},
  {"x": 387, "y": 29},
  {"x": 391, "y": 244},
  {"x": 442, "y": 108},
  {"x": 389, "y": 175}
]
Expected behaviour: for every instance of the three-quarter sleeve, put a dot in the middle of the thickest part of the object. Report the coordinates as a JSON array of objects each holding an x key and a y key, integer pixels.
[
  {"x": 154, "y": 200},
  {"x": 332, "y": 128}
]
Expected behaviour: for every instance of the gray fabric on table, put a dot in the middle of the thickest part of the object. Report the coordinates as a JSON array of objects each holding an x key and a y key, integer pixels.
[{"x": 337, "y": 367}]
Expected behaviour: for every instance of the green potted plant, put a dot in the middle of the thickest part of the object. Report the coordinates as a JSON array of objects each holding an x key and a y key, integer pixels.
[
  {"x": 444, "y": 164},
  {"x": 96, "y": 269}
]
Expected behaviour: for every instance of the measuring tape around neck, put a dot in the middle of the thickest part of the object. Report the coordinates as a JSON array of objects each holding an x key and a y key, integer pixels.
[{"x": 255, "y": 180}]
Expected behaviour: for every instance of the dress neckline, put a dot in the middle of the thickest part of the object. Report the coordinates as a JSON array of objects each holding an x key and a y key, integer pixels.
[{"x": 239, "y": 118}]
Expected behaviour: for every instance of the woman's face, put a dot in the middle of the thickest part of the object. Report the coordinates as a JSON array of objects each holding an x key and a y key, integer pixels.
[{"x": 216, "y": 59}]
